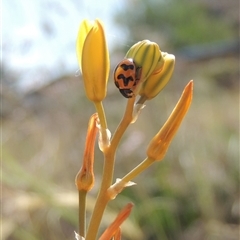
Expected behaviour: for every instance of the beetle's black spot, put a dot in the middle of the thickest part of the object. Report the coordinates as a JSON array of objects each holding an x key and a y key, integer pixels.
[
  {"x": 126, "y": 80},
  {"x": 125, "y": 67},
  {"x": 127, "y": 93}
]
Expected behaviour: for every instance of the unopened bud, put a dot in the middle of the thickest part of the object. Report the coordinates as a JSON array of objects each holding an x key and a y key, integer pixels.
[
  {"x": 85, "y": 177},
  {"x": 147, "y": 55},
  {"x": 158, "y": 80},
  {"x": 93, "y": 58},
  {"x": 160, "y": 143}
]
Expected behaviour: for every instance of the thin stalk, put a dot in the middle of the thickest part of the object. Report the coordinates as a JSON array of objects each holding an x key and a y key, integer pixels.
[
  {"x": 82, "y": 212},
  {"x": 108, "y": 169},
  {"x": 138, "y": 169},
  {"x": 126, "y": 120},
  {"x": 102, "y": 198},
  {"x": 101, "y": 114},
  {"x": 142, "y": 100}
]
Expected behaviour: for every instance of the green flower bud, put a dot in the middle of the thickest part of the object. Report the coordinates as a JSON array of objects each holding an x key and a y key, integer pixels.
[
  {"x": 158, "y": 80},
  {"x": 147, "y": 55}
]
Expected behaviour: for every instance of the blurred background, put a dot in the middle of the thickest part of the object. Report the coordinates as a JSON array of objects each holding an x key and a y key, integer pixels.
[{"x": 193, "y": 193}]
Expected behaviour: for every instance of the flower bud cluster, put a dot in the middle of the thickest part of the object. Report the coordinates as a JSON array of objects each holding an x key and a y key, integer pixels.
[{"x": 157, "y": 68}]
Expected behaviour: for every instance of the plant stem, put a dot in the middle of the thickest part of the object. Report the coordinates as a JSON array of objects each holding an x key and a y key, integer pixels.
[
  {"x": 102, "y": 198},
  {"x": 142, "y": 100},
  {"x": 108, "y": 169},
  {"x": 101, "y": 114},
  {"x": 138, "y": 169},
  {"x": 126, "y": 120},
  {"x": 82, "y": 212}
]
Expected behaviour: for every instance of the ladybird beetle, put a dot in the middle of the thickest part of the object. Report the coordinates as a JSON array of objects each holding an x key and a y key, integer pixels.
[{"x": 126, "y": 76}]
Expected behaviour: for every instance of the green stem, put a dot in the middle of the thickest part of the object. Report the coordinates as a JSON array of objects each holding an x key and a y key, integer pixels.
[
  {"x": 108, "y": 169},
  {"x": 82, "y": 212}
]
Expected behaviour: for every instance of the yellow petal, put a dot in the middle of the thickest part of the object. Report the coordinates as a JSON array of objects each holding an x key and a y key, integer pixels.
[
  {"x": 95, "y": 63},
  {"x": 84, "y": 29},
  {"x": 160, "y": 143}
]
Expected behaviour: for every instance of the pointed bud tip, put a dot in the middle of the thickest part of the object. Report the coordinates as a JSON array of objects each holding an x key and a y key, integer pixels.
[
  {"x": 188, "y": 90},
  {"x": 189, "y": 86}
]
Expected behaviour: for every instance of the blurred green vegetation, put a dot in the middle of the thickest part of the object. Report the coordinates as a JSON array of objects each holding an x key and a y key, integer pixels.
[
  {"x": 192, "y": 194},
  {"x": 177, "y": 23}
]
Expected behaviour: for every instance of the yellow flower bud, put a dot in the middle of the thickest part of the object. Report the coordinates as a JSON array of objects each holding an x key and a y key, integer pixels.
[
  {"x": 158, "y": 80},
  {"x": 93, "y": 58},
  {"x": 160, "y": 143},
  {"x": 146, "y": 54},
  {"x": 83, "y": 31}
]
